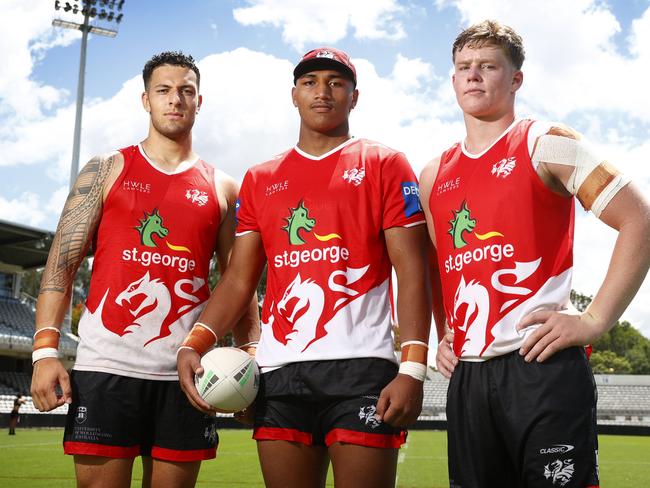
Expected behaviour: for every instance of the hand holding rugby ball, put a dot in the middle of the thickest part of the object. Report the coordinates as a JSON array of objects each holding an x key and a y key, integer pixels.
[{"x": 230, "y": 379}]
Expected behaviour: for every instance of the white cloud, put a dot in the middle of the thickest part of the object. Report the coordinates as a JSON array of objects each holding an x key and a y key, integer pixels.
[
  {"x": 572, "y": 62},
  {"x": 248, "y": 117},
  {"x": 312, "y": 21},
  {"x": 25, "y": 209},
  {"x": 25, "y": 35}
]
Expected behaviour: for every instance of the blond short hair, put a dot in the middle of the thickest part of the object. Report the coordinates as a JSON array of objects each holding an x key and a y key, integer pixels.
[{"x": 492, "y": 32}]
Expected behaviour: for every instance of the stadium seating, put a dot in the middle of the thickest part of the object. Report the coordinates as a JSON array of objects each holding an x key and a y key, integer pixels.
[
  {"x": 17, "y": 327},
  {"x": 622, "y": 400}
]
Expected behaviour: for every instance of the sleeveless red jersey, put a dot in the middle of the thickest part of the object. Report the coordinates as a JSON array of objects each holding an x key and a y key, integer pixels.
[
  {"x": 504, "y": 243},
  {"x": 321, "y": 220},
  {"x": 149, "y": 280}
]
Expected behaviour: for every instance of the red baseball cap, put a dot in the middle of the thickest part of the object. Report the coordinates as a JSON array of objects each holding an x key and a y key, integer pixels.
[{"x": 325, "y": 58}]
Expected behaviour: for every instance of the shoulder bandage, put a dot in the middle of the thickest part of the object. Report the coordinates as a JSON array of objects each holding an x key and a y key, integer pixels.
[{"x": 593, "y": 182}]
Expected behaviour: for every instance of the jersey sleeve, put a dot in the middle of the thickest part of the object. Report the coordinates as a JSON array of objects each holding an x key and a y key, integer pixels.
[
  {"x": 400, "y": 193},
  {"x": 245, "y": 207}
]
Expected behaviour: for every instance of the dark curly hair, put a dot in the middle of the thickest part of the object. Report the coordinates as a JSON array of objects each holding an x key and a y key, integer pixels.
[{"x": 173, "y": 58}]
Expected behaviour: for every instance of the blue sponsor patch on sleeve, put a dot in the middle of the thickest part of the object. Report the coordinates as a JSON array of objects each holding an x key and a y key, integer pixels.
[{"x": 411, "y": 195}]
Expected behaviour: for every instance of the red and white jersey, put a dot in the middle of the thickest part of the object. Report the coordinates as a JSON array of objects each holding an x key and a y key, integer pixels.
[
  {"x": 321, "y": 220},
  {"x": 150, "y": 273},
  {"x": 504, "y": 243}
]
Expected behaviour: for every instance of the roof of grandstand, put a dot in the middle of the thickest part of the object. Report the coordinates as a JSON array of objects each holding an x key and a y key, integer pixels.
[{"x": 24, "y": 246}]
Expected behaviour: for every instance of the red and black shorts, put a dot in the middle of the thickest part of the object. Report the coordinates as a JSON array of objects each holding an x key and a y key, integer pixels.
[
  {"x": 323, "y": 402},
  {"x": 516, "y": 424},
  {"x": 121, "y": 417}
]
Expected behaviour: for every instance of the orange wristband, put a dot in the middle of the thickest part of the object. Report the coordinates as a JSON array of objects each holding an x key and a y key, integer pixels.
[
  {"x": 201, "y": 338},
  {"x": 47, "y": 337},
  {"x": 416, "y": 353}
]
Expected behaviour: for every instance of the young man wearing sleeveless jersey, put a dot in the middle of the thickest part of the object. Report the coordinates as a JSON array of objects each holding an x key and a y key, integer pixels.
[
  {"x": 522, "y": 402},
  {"x": 155, "y": 214},
  {"x": 330, "y": 216}
]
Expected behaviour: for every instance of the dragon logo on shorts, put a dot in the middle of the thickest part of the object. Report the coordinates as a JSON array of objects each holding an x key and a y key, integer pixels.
[
  {"x": 559, "y": 471},
  {"x": 210, "y": 434},
  {"x": 367, "y": 416}
]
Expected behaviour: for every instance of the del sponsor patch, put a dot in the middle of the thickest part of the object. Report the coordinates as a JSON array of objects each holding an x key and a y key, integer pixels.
[{"x": 411, "y": 195}]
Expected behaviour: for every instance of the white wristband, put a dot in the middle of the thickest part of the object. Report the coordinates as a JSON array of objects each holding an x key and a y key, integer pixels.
[
  {"x": 408, "y": 343},
  {"x": 45, "y": 352},
  {"x": 414, "y": 370}
]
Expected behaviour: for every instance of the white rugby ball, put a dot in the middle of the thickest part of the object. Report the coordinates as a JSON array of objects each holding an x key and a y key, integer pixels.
[{"x": 230, "y": 379}]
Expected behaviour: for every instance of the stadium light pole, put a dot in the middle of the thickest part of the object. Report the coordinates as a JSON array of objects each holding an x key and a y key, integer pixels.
[{"x": 111, "y": 11}]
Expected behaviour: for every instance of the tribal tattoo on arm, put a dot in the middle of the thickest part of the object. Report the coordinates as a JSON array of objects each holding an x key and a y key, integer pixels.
[{"x": 77, "y": 225}]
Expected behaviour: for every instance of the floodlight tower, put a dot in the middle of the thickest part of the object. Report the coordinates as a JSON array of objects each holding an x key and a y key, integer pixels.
[{"x": 109, "y": 11}]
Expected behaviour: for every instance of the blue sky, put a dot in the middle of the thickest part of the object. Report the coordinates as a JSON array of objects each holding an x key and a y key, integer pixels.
[{"x": 587, "y": 65}]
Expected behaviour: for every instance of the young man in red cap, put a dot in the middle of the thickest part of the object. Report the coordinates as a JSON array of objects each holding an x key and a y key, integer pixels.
[
  {"x": 330, "y": 216},
  {"x": 521, "y": 405}
]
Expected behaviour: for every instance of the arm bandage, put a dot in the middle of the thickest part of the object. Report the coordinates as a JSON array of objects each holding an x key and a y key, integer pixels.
[
  {"x": 414, "y": 359},
  {"x": 593, "y": 182}
]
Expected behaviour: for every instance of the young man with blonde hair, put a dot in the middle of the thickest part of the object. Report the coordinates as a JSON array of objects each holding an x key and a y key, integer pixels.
[{"x": 500, "y": 208}]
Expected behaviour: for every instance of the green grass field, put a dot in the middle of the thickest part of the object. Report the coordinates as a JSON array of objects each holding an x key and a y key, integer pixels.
[{"x": 34, "y": 458}]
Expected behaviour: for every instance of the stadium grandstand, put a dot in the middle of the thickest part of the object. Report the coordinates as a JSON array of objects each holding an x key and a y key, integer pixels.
[
  {"x": 623, "y": 400},
  {"x": 23, "y": 248}
]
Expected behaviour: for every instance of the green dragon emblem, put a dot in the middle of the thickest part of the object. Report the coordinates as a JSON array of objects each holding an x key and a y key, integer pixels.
[
  {"x": 298, "y": 219},
  {"x": 151, "y": 224},
  {"x": 462, "y": 222}
]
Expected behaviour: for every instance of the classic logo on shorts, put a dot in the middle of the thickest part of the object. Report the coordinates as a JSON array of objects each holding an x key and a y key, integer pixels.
[
  {"x": 367, "y": 416},
  {"x": 559, "y": 471},
  {"x": 503, "y": 168},
  {"x": 82, "y": 415},
  {"x": 561, "y": 448}
]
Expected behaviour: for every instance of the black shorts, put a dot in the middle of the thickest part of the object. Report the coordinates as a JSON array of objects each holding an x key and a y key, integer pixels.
[
  {"x": 323, "y": 402},
  {"x": 120, "y": 417},
  {"x": 517, "y": 424}
]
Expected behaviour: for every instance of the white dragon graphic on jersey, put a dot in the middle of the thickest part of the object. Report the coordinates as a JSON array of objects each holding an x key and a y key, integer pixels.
[
  {"x": 306, "y": 311},
  {"x": 147, "y": 315},
  {"x": 476, "y": 297},
  {"x": 303, "y": 303},
  {"x": 157, "y": 298},
  {"x": 560, "y": 472}
]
